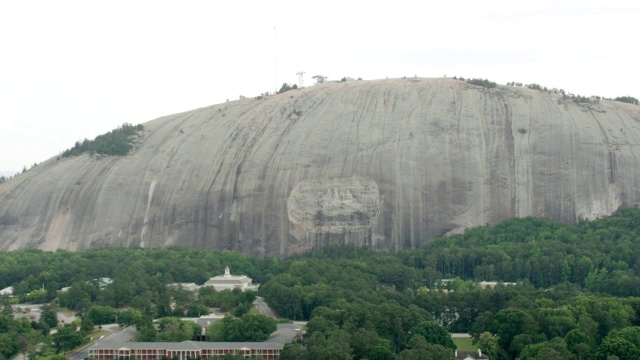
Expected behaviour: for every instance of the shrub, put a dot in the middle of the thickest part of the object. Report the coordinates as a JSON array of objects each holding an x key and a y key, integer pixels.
[
  {"x": 286, "y": 87},
  {"x": 628, "y": 99},
  {"x": 117, "y": 142},
  {"x": 482, "y": 82},
  {"x": 534, "y": 86},
  {"x": 582, "y": 99}
]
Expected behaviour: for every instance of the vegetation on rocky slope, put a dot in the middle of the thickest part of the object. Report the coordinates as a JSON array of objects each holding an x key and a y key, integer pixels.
[{"x": 117, "y": 142}]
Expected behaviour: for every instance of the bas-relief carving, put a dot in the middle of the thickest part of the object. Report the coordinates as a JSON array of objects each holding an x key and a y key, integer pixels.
[{"x": 334, "y": 205}]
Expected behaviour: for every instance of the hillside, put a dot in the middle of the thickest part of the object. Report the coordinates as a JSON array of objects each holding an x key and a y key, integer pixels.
[{"x": 388, "y": 164}]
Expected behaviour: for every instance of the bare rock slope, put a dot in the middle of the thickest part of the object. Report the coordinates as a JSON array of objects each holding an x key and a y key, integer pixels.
[{"x": 387, "y": 164}]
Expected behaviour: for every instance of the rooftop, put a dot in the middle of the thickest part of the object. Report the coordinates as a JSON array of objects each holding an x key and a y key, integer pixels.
[
  {"x": 285, "y": 333},
  {"x": 7, "y": 291}
]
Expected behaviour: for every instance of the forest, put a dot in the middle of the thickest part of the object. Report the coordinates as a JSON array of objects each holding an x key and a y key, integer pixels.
[{"x": 573, "y": 297}]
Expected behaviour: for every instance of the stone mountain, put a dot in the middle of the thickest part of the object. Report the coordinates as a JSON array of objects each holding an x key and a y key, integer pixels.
[{"x": 387, "y": 164}]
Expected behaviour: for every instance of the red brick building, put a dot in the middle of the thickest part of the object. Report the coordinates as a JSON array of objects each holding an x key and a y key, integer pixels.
[{"x": 183, "y": 350}]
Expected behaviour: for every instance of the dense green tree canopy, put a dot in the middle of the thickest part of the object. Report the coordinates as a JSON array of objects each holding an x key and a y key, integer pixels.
[
  {"x": 249, "y": 327},
  {"x": 116, "y": 142},
  {"x": 432, "y": 333},
  {"x": 567, "y": 291},
  {"x": 67, "y": 338},
  {"x": 175, "y": 330}
]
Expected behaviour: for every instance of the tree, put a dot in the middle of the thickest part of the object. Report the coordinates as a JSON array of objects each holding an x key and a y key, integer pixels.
[
  {"x": 67, "y": 338},
  {"x": 175, "y": 330},
  {"x": 509, "y": 323},
  {"x": 236, "y": 356},
  {"x": 215, "y": 332},
  {"x": 248, "y": 328},
  {"x": 101, "y": 315},
  {"x": 556, "y": 322},
  {"x": 231, "y": 329},
  {"x": 368, "y": 344},
  {"x": 240, "y": 310},
  {"x": 619, "y": 347},
  {"x": 49, "y": 315},
  {"x": 7, "y": 309},
  {"x": 488, "y": 343},
  {"x": 116, "y": 142},
  {"x": 578, "y": 342},
  {"x": 320, "y": 323},
  {"x": 481, "y": 324},
  {"x": 8, "y": 347},
  {"x": 316, "y": 347},
  {"x": 293, "y": 352},
  {"x": 628, "y": 99},
  {"x": 631, "y": 334},
  {"x": 132, "y": 317},
  {"x": 335, "y": 347},
  {"x": 147, "y": 332},
  {"x": 86, "y": 324},
  {"x": 482, "y": 82},
  {"x": 433, "y": 333},
  {"x": 286, "y": 87},
  {"x": 76, "y": 297},
  {"x": 555, "y": 349},
  {"x": 256, "y": 327},
  {"x": 427, "y": 352}
]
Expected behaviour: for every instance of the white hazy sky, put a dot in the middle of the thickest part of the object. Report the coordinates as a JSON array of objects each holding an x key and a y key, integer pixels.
[{"x": 71, "y": 70}]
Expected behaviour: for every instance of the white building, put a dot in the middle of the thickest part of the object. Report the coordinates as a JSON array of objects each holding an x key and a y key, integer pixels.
[
  {"x": 230, "y": 282},
  {"x": 7, "y": 291},
  {"x": 185, "y": 286},
  {"x": 493, "y": 284}
]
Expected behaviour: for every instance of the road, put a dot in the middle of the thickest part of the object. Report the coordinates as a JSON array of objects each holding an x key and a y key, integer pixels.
[
  {"x": 34, "y": 311},
  {"x": 263, "y": 308},
  {"x": 125, "y": 335}
]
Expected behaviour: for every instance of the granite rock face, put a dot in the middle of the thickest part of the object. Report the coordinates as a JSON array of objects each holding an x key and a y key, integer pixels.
[{"x": 387, "y": 164}]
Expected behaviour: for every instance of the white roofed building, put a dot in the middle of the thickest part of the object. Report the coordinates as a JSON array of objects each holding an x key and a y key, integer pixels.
[
  {"x": 185, "y": 286},
  {"x": 230, "y": 282},
  {"x": 7, "y": 291},
  {"x": 493, "y": 284}
]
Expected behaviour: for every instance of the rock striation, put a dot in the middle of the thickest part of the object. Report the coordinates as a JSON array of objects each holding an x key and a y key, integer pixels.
[{"x": 387, "y": 164}]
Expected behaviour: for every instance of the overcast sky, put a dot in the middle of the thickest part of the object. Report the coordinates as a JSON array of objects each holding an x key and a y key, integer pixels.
[{"x": 71, "y": 70}]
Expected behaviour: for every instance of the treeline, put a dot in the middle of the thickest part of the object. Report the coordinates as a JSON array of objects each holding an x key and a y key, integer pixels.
[
  {"x": 117, "y": 142},
  {"x": 574, "y": 298},
  {"x": 132, "y": 270},
  {"x": 565, "y": 94},
  {"x": 601, "y": 255},
  {"x": 574, "y": 97}
]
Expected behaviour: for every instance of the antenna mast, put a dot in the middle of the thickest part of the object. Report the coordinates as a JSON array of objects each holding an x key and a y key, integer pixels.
[{"x": 275, "y": 62}]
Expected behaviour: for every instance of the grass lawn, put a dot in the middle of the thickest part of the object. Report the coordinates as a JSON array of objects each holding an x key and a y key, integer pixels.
[
  {"x": 67, "y": 312},
  {"x": 465, "y": 344},
  {"x": 96, "y": 334}
]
